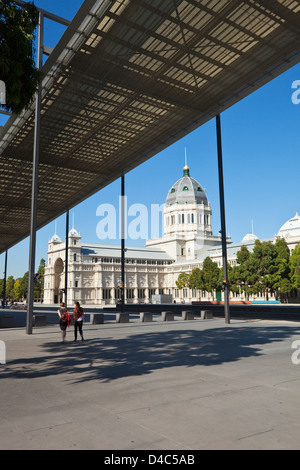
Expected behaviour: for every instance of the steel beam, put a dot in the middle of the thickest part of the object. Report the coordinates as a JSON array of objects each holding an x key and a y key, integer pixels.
[
  {"x": 223, "y": 220},
  {"x": 122, "y": 242},
  {"x": 35, "y": 175},
  {"x": 4, "y": 284},
  {"x": 67, "y": 258}
]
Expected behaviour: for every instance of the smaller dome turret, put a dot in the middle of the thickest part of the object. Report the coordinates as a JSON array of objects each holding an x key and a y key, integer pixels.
[
  {"x": 55, "y": 238},
  {"x": 249, "y": 238},
  {"x": 291, "y": 228},
  {"x": 73, "y": 232}
]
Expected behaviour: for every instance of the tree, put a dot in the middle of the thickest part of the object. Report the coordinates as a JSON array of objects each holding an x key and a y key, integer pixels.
[
  {"x": 210, "y": 272},
  {"x": 282, "y": 263},
  {"x": 285, "y": 287},
  {"x": 24, "y": 285},
  {"x": 17, "y": 64},
  {"x": 10, "y": 293},
  {"x": 182, "y": 280},
  {"x": 196, "y": 279},
  {"x": 17, "y": 289},
  {"x": 294, "y": 264},
  {"x": 1, "y": 288},
  {"x": 39, "y": 281},
  {"x": 265, "y": 269}
]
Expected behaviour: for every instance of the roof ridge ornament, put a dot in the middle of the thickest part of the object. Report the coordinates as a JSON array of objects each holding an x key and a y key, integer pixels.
[{"x": 186, "y": 170}]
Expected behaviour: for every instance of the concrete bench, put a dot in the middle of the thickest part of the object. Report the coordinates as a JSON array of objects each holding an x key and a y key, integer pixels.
[
  {"x": 188, "y": 315},
  {"x": 146, "y": 317},
  {"x": 6, "y": 321},
  {"x": 122, "y": 318},
  {"x": 39, "y": 320},
  {"x": 206, "y": 314},
  {"x": 97, "y": 318},
  {"x": 167, "y": 316}
]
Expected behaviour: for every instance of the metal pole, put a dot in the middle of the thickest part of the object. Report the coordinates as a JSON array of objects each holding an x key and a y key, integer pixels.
[
  {"x": 223, "y": 220},
  {"x": 5, "y": 276},
  {"x": 67, "y": 258},
  {"x": 35, "y": 174},
  {"x": 122, "y": 242}
]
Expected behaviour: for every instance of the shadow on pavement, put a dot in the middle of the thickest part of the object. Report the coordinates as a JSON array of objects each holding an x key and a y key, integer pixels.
[{"x": 106, "y": 359}]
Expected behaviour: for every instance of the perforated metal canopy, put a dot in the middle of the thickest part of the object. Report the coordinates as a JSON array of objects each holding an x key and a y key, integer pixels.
[{"x": 127, "y": 79}]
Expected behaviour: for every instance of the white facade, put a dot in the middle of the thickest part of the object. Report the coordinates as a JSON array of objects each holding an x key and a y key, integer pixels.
[{"x": 94, "y": 271}]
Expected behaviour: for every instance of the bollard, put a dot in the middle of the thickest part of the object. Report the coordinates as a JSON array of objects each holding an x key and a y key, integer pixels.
[
  {"x": 97, "y": 318},
  {"x": 146, "y": 317},
  {"x": 39, "y": 320},
  {"x": 122, "y": 318},
  {"x": 6, "y": 321},
  {"x": 188, "y": 315},
  {"x": 206, "y": 314},
  {"x": 167, "y": 316}
]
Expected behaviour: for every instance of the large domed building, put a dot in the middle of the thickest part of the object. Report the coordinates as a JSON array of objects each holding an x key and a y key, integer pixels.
[
  {"x": 94, "y": 270},
  {"x": 187, "y": 221}
]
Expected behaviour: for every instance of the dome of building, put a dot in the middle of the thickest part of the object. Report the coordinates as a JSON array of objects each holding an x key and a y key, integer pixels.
[
  {"x": 291, "y": 228},
  {"x": 249, "y": 237},
  {"x": 186, "y": 190},
  {"x": 73, "y": 233},
  {"x": 56, "y": 239}
]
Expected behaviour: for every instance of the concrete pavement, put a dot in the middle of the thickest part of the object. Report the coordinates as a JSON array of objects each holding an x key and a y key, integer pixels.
[{"x": 182, "y": 385}]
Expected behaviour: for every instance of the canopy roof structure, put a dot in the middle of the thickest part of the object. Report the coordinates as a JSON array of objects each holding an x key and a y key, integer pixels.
[{"x": 127, "y": 79}]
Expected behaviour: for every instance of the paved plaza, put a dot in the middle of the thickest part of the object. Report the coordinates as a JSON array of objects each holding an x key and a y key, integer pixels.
[{"x": 181, "y": 385}]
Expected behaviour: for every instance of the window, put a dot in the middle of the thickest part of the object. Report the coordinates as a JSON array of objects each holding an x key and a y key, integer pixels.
[
  {"x": 106, "y": 294},
  {"x": 130, "y": 293},
  {"x": 141, "y": 293},
  {"x": 185, "y": 188},
  {"x": 172, "y": 190},
  {"x": 74, "y": 257},
  {"x": 76, "y": 283}
]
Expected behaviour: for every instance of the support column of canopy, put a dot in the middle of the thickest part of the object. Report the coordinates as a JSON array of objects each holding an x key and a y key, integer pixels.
[
  {"x": 223, "y": 221},
  {"x": 4, "y": 283},
  {"x": 35, "y": 173},
  {"x": 122, "y": 243},
  {"x": 67, "y": 259}
]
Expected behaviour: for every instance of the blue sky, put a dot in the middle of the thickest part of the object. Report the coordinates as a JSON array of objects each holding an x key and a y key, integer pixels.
[{"x": 260, "y": 158}]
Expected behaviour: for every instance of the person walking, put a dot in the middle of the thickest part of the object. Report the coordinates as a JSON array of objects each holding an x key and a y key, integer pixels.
[
  {"x": 78, "y": 313},
  {"x": 64, "y": 320}
]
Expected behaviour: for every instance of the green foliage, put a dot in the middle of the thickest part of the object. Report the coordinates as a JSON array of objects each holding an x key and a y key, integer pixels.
[
  {"x": 18, "y": 289},
  {"x": 294, "y": 265},
  {"x": 10, "y": 282},
  {"x": 211, "y": 274},
  {"x": 196, "y": 280},
  {"x": 17, "y": 64},
  {"x": 39, "y": 281},
  {"x": 182, "y": 280},
  {"x": 268, "y": 268},
  {"x": 206, "y": 279}
]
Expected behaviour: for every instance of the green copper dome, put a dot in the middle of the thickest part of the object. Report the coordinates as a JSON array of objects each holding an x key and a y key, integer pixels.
[{"x": 186, "y": 190}]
